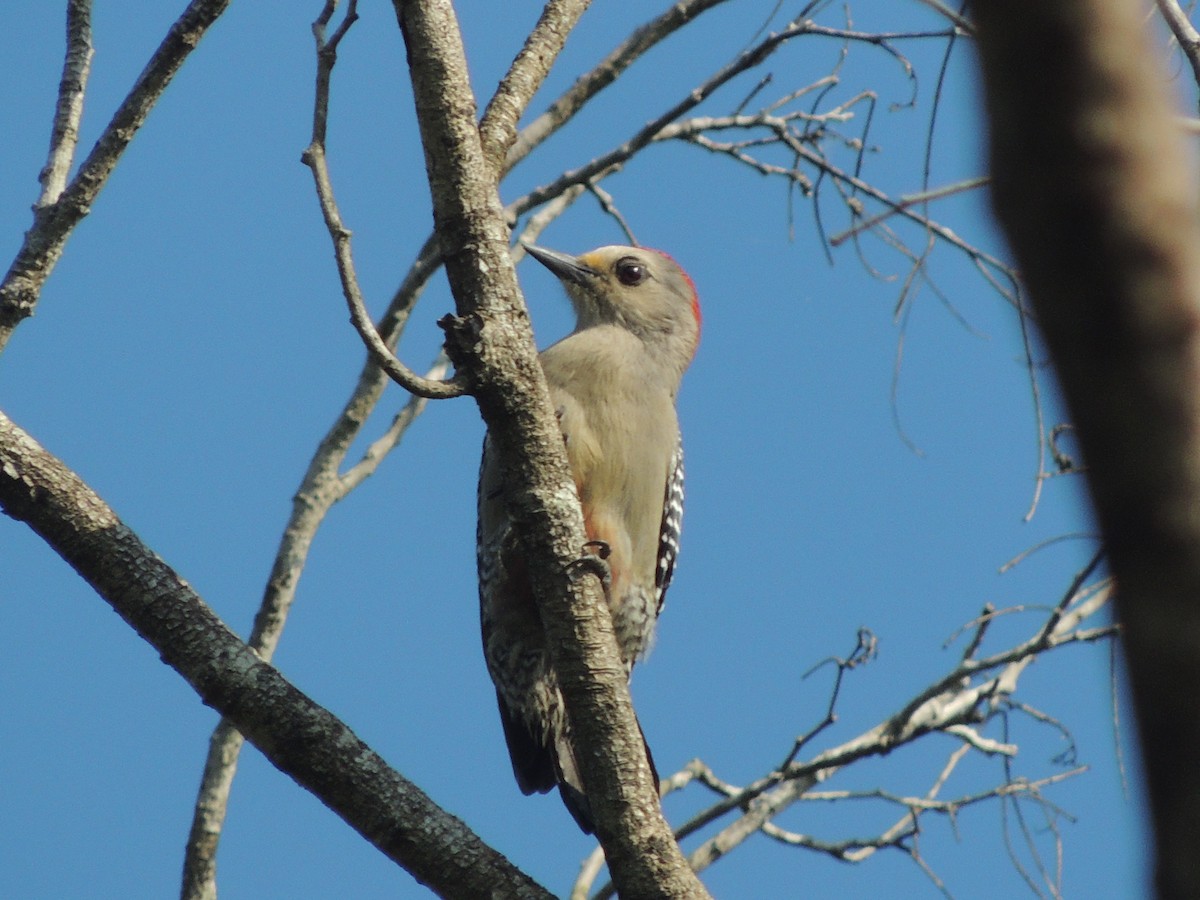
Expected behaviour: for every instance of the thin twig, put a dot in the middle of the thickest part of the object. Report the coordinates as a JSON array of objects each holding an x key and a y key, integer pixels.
[
  {"x": 609, "y": 205},
  {"x": 908, "y": 200},
  {"x": 945, "y": 703},
  {"x": 1185, "y": 33},
  {"x": 950, "y": 706},
  {"x": 314, "y": 158},
  {"x": 53, "y": 224},
  {"x": 68, "y": 111},
  {"x": 640, "y": 41},
  {"x": 657, "y": 129}
]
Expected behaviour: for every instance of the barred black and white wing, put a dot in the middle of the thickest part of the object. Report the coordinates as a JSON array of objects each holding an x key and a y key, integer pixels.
[{"x": 672, "y": 525}]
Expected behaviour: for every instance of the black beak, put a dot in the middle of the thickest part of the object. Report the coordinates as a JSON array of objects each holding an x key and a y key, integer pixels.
[{"x": 566, "y": 268}]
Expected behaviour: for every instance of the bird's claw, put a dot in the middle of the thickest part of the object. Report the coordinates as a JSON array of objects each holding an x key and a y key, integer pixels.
[
  {"x": 597, "y": 548},
  {"x": 594, "y": 561}
]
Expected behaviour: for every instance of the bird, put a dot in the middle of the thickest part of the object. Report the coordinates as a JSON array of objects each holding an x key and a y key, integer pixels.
[{"x": 613, "y": 382}]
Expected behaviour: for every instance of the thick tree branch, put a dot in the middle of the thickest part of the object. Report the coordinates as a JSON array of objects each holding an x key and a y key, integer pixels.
[
  {"x": 53, "y": 224},
  {"x": 1102, "y": 212},
  {"x": 493, "y": 339},
  {"x": 308, "y": 743},
  {"x": 324, "y": 482}
]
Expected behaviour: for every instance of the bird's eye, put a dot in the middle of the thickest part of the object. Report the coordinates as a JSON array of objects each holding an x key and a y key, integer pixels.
[{"x": 630, "y": 272}]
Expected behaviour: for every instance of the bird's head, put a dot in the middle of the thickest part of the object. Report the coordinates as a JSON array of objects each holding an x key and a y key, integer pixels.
[{"x": 643, "y": 291}]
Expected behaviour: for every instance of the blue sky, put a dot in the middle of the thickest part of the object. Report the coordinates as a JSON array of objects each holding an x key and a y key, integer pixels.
[{"x": 192, "y": 347}]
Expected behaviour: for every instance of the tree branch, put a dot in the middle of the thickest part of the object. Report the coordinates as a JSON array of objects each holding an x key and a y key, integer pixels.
[
  {"x": 323, "y": 485},
  {"x": 1185, "y": 33},
  {"x": 53, "y": 224},
  {"x": 1102, "y": 214},
  {"x": 970, "y": 694},
  {"x": 492, "y": 338},
  {"x": 314, "y": 158},
  {"x": 68, "y": 111},
  {"x": 603, "y": 74},
  {"x": 299, "y": 737},
  {"x": 498, "y": 128}
]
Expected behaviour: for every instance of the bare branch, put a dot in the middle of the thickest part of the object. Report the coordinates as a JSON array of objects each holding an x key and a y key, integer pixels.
[
  {"x": 387, "y": 442},
  {"x": 1185, "y": 33},
  {"x": 941, "y": 8},
  {"x": 609, "y": 205},
  {"x": 314, "y": 158},
  {"x": 686, "y": 131},
  {"x": 491, "y": 337},
  {"x": 68, "y": 111},
  {"x": 653, "y": 131},
  {"x": 608, "y": 70},
  {"x": 952, "y": 705},
  {"x": 300, "y": 738},
  {"x": 951, "y": 701},
  {"x": 904, "y": 202},
  {"x": 53, "y": 224},
  {"x": 498, "y": 128}
]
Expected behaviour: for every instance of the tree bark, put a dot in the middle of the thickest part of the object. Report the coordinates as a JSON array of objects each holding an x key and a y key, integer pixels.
[
  {"x": 299, "y": 737},
  {"x": 492, "y": 340}
]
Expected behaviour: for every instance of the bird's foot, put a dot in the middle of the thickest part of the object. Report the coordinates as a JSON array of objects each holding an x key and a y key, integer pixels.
[{"x": 594, "y": 561}]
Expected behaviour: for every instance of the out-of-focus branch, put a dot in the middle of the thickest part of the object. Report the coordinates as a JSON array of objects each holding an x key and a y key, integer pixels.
[
  {"x": 53, "y": 223},
  {"x": 68, "y": 111},
  {"x": 299, "y": 737},
  {"x": 1103, "y": 217}
]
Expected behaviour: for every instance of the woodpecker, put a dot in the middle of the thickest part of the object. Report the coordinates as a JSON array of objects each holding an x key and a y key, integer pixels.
[{"x": 613, "y": 382}]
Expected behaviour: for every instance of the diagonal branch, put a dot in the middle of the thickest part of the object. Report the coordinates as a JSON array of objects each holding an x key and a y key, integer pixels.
[
  {"x": 53, "y": 224},
  {"x": 498, "y": 128},
  {"x": 299, "y": 737},
  {"x": 68, "y": 111},
  {"x": 604, "y": 73},
  {"x": 1185, "y": 33}
]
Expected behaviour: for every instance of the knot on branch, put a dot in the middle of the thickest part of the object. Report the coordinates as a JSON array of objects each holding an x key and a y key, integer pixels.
[
  {"x": 463, "y": 336},
  {"x": 18, "y": 299}
]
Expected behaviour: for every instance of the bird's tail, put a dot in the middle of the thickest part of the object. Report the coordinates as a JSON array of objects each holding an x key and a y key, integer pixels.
[
  {"x": 570, "y": 785},
  {"x": 541, "y": 763}
]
